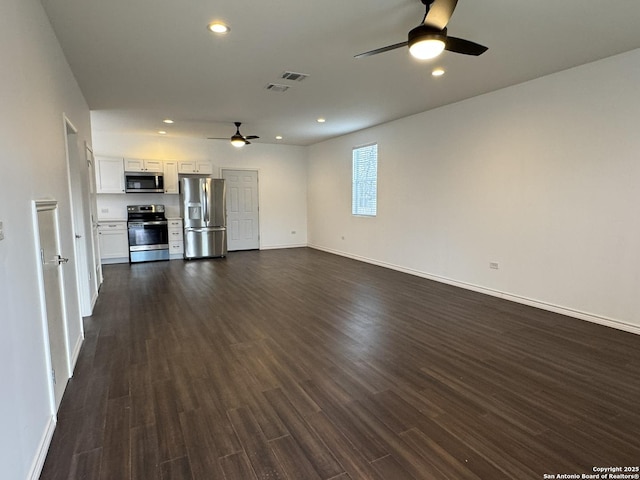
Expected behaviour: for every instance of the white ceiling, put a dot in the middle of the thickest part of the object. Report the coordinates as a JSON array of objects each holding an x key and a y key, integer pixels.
[{"x": 140, "y": 61}]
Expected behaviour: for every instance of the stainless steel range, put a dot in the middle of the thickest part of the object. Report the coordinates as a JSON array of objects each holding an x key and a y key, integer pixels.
[{"x": 148, "y": 233}]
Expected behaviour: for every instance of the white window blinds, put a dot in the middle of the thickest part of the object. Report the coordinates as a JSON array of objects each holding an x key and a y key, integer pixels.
[{"x": 364, "y": 193}]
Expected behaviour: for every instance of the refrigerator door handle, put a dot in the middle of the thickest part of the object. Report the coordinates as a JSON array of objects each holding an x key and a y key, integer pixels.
[
  {"x": 206, "y": 201},
  {"x": 206, "y": 229}
]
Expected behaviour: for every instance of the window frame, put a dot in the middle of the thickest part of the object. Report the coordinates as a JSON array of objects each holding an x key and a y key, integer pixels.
[{"x": 358, "y": 184}]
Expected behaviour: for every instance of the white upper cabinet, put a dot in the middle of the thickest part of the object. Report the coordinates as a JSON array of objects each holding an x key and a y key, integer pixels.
[
  {"x": 203, "y": 167},
  {"x": 133, "y": 165},
  {"x": 138, "y": 165},
  {"x": 109, "y": 175},
  {"x": 171, "y": 177},
  {"x": 110, "y": 172}
]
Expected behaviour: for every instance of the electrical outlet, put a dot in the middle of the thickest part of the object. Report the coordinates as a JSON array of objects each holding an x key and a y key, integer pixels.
[
  {"x": 494, "y": 265},
  {"x": 293, "y": 232},
  {"x": 104, "y": 210}
]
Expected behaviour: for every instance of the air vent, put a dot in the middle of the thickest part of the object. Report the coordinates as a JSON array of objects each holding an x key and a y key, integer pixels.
[
  {"x": 277, "y": 87},
  {"x": 298, "y": 77}
]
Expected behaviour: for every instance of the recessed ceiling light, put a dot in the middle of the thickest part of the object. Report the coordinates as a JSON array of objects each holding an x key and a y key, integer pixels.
[
  {"x": 162, "y": 132},
  {"x": 438, "y": 72},
  {"x": 278, "y": 137},
  {"x": 168, "y": 121},
  {"x": 218, "y": 27},
  {"x": 321, "y": 120}
]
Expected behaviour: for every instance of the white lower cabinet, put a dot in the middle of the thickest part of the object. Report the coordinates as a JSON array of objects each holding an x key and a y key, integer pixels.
[
  {"x": 114, "y": 242},
  {"x": 176, "y": 240}
]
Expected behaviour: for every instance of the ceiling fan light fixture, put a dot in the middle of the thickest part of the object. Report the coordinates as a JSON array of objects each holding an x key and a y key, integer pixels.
[
  {"x": 238, "y": 141},
  {"x": 427, "y": 49},
  {"x": 426, "y": 42}
]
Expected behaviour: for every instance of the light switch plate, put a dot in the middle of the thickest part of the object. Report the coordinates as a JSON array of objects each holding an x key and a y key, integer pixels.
[{"x": 1, "y": 232}]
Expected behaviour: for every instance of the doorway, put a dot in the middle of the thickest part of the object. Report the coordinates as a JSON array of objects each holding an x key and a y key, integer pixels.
[
  {"x": 79, "y": 196},
  {"x": 243, "y": 226},
  {"x": 93, "y": 207},
  {"x": 52, "y": 297}
]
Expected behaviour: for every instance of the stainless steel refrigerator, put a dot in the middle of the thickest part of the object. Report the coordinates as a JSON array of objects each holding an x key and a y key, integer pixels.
[{"x": 203, "y": 209}]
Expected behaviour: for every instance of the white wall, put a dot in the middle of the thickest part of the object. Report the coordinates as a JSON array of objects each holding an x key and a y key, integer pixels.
[
  {"x": 282, "y": 177},
  {"x": 36, "y": 88},
  {"x": 542, "y": 177}
]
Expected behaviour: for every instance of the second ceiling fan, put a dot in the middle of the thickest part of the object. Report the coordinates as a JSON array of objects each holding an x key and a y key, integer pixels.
[
  {"x": 237, "y": 139},
  {"x": 430, "y": 38}
]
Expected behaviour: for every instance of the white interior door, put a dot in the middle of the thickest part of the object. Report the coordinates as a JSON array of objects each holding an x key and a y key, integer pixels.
[
  {"x": 52, "y": 288},
  {"x": 77, "y": 170},
  {"x": 243, "y": 232},
  {"x": 95, "y": 242}
]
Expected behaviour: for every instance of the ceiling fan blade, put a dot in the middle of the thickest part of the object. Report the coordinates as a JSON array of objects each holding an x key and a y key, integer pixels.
[
  {"x": 466, "y": 47},
  {"x": 439, "y": 13},
  {"x": 247, "y": 142},
  {"x": 251, "y": 137},
  {"x": 381, "y": 50}
]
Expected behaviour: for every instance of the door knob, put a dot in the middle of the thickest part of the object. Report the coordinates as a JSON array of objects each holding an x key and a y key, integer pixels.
[{"x": 61, "y": 260}]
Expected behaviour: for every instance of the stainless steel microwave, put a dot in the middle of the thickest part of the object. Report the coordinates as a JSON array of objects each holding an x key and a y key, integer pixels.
[{"x": 144, "y": 182}]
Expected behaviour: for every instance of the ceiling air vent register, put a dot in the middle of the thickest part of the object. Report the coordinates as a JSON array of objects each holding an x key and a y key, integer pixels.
[
  {"x": 294, "y": 76},
  {"x": 277, "y": 87}
]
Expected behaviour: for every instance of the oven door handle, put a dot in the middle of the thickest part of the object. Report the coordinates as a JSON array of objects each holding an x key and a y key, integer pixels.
[{"x": 141, "y": 224}]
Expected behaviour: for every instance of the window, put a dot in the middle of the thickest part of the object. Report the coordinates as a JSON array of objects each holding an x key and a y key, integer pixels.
[{"x": 364, "y": 193}]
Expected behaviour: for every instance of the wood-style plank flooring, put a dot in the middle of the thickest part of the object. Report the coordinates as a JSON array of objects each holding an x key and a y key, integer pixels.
[{"x": 297, "y": 364}]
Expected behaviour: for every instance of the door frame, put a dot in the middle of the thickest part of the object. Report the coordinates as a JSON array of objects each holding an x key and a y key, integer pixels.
[
  {"x": 37, "y": 206},
  {"x": 83, "y": 255},
  {"x": 247, "y": 169},
  {"x": 93, "y": 209}
]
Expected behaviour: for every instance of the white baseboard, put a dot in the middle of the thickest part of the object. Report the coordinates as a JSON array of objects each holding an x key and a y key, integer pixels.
[
  {"x": 38, "y": 461},
  {"x": 589, "y": 317},
  {"x": 94, "y": 300},
  {"x": 112, "y": 261},
  {"x": 76, "y": 353},
  {"x": 277, "y": 247}
]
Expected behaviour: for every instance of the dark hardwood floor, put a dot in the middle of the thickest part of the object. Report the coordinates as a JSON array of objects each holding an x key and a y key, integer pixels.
[{"x": 297, "y": 364}]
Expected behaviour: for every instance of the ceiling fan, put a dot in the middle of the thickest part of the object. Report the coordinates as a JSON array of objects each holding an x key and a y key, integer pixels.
[
  {"x": 430, "y": 38},
  {"x": 237, "y": 139}
]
